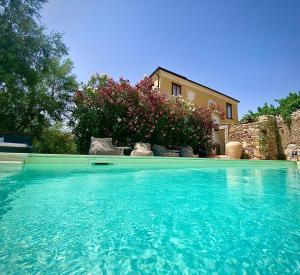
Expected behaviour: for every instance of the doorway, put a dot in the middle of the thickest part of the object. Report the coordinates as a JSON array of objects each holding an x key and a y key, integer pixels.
[{"x": 219, "y": 138}]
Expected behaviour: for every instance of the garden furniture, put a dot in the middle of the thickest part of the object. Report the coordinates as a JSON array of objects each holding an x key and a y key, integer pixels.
[
  {"x": 103, "y": 146},
  {"x": 142, "y": 149}
]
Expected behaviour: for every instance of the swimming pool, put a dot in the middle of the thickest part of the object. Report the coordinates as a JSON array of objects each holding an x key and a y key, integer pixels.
[{"x": 234, "y": 218}]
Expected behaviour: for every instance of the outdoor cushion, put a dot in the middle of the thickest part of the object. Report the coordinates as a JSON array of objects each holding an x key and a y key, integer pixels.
[
  {"x": 102, "y": 143},
  {"x": 187, "y": 152},
  {"x": 162, "y": 151},
  {"x": 16, "y": 145},
  {"x": 103, "y": 146},
  {"x": 159, "y": 150},
  {"x": 11, "y": 147},
  {"x": 142, "y": 149},
  {"x": 141, "y": 153},
  {"x": 142, "y": 146}
]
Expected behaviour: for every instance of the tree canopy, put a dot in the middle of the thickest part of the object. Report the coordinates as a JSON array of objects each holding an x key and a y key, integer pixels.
[
  {"x": 286, "y": 106},
  {"x": 36, "y": 81}
]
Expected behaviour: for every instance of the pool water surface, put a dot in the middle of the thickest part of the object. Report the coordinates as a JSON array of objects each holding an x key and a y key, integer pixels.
[{"x": 167, "y": 221}]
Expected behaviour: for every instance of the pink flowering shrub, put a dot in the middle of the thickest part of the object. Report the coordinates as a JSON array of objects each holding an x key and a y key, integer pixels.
[
  {"x": 216, "y": 110},
  {"x": 129, "y": 114}
]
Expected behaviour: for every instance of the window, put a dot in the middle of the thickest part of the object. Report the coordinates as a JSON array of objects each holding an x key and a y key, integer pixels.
[
  {"x": 229, "y": 110},
  {"x": 176, "y": 89}
]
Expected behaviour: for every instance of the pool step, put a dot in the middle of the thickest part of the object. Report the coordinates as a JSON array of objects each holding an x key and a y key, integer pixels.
[
  {"x": 12, "y": 162},
  {"x": 10, "y": 167},
  {"x": 13, "y": 157},
  {"x": 6, "y": 165}
]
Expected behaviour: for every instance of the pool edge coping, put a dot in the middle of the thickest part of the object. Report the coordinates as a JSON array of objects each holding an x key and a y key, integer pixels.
[{"x": 65, "y": 159}]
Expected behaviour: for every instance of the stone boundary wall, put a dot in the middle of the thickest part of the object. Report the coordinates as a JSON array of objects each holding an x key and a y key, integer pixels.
[
  {"x": 268, "y": 138},
  {"x": 289, "y": 135}
]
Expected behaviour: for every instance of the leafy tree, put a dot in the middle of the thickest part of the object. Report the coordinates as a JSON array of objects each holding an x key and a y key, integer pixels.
[
  {"x": 54, "y": 140},
  {"x": 36, "y": 82},
  {"x": 286, "y": 106}
]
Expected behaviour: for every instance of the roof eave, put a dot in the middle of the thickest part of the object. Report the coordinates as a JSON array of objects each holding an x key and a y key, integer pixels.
[{"x": 185, "y": 78}]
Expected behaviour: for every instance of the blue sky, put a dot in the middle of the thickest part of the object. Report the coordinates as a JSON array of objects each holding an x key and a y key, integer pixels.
[{"x": 249, "y": 50}]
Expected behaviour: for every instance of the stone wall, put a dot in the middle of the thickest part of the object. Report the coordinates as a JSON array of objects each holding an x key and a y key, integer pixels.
[
  {"x": 259, "y": 139},
  {"x": 268, "y": 138},
  {"x": 289, "y": 134}
]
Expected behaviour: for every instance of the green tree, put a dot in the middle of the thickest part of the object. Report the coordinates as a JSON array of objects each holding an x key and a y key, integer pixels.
[
  {"x": 36, "y": 80},
  {"x": 286, "y": 106},
  {"x": 54, "y": 140}
]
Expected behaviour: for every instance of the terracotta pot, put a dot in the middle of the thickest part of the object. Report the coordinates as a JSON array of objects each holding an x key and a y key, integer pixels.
[{"x": 234, "y": 150}]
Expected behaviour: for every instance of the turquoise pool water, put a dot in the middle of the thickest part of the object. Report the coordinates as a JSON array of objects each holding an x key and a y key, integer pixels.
[{"x": 226, "y": 220}]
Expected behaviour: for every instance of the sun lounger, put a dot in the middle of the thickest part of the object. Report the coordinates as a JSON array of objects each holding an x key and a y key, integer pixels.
[{"x": 15, "y": 143}]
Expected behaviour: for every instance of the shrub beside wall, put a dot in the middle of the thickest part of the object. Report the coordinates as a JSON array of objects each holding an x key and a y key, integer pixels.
[
  {"x": 54, "y": 140},
  {"x": 129, "y": 114}
]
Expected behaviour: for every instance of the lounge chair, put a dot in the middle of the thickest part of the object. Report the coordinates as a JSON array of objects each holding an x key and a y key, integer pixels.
[
  {"x": 15, "y": 143},
  {"x": 103, "y": 146},
  {"x": 142, "y": 149},
  {"x": 162, "y": 151},
  {"x": 187, "y": 152}
]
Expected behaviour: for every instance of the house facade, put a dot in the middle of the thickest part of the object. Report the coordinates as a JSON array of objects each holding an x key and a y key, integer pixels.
[{"x": 173, "y": 84}]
